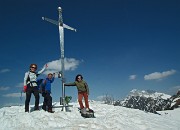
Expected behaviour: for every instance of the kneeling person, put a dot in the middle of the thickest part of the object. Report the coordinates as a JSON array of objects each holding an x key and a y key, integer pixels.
[{"x": 47, "y": 92}]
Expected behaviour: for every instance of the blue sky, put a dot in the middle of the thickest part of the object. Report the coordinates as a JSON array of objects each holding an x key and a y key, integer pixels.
[{"x": 119, "y": 45}]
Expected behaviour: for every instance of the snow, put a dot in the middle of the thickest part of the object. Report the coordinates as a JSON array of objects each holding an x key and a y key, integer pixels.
[
  {"x": 108, "y": 117},
  {"x": 147, "y": 94}
]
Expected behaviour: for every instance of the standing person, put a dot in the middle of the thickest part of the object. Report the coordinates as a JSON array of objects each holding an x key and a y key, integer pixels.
[
  {"x": 30, "y": 86},
  {"x": 83, "y": 91},
  {"x": 47, "y": 92}
]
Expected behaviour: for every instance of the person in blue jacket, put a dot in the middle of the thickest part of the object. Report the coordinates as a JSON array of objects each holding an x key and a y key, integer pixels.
[{"x": 47, "y": 92}]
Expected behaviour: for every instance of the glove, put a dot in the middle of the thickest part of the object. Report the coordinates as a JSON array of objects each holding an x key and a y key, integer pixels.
[{"x": 25, "y": 89}]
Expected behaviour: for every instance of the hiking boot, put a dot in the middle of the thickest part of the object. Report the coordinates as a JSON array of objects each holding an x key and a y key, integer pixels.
[
  {"x": 51, "y": 111},
  {"x": 27, "y": 111},
  {"x": 81, "y": 108}
]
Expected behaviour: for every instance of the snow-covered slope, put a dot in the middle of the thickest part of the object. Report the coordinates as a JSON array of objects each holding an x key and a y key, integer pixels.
[{"x": 108, "y": 117}]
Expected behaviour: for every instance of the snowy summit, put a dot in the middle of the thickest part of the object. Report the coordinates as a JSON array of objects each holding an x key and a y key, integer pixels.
[{"x": 108, "y": 117}]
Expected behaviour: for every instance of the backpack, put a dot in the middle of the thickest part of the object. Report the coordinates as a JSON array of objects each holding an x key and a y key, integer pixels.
[
  {"x": 68, "y": 99},
  {"x": 41, "y": 85},
  {"x": 87, "y": 114}
]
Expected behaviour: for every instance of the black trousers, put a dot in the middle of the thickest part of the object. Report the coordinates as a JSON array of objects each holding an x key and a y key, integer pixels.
[
  {"x": 35, "y": 92},
  {"x": 47, "y": 100}
]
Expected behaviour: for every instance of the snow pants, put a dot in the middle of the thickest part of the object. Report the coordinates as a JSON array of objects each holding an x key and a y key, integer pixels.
[
  {"x": 35, "y": 92},
  {"x": 47, "y": 101},
  {"x": 80, "y": 97}
]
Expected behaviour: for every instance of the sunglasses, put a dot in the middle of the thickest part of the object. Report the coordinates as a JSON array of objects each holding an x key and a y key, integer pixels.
[{"x": 33, "y": 67}]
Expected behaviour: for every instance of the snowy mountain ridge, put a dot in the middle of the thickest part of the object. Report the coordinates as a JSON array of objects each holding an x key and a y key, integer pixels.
[
  {"x": 149, "y": 94},
  {"x": 149, "y": 101}
]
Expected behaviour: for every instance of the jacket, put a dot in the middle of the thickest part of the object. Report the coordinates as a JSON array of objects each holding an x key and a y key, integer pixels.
[
  {"x": 30, "y": 78},
  {"x": 82, "y": 86},
  {"x": 47, "y": 82}
]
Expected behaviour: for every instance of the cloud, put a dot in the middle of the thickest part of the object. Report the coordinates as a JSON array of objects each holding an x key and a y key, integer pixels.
[
  {"x": 132, "y": 77},
  {"x": 4, "y": 70},
  {"x": 55, "y": 66},
  {"x": 19, "y": 85},
  {"x": 159, "y": 75},
  {"x": 4, "y": 88},
  {"x": 14, "y": 95}
]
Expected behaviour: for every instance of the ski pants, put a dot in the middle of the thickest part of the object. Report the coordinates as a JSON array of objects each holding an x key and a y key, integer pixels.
[
  {"x": 35, "y": 92},
  {"x": 47, "y": 100},
  {"x": 80, "y": 97}
]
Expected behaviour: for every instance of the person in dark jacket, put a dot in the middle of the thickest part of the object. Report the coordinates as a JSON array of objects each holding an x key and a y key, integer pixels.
[
  {"x": 83, "y": 90},
  {"x": 47, "y": 93},
  {"x": 30, "y": 86}
]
